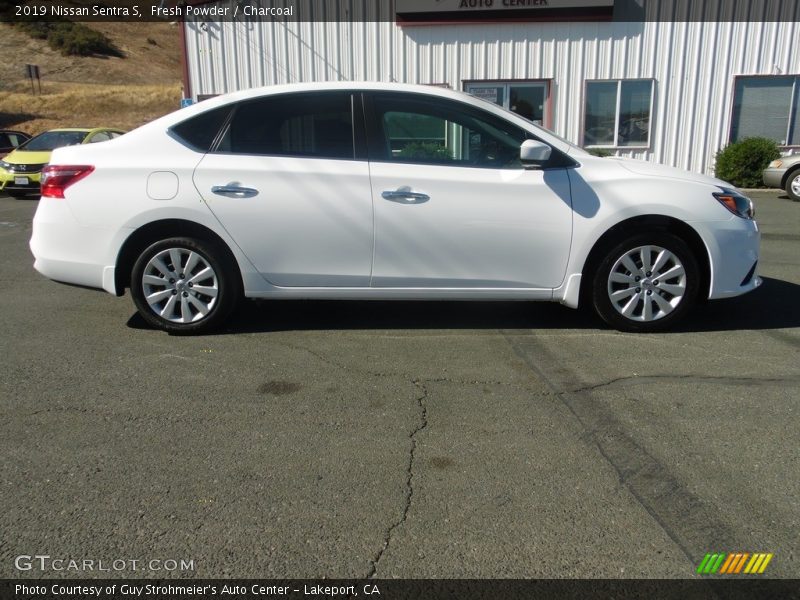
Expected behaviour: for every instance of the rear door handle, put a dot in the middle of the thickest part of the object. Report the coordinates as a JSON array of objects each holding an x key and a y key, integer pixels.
[
  {"x": 405, "y": 196},
  {"x": 234, "y": 191}
]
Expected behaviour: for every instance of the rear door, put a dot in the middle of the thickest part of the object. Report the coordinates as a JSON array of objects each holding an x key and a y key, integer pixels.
[{"x": 290, "y": 182}]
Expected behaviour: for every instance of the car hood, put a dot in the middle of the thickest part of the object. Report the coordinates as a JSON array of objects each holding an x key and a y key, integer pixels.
[
  {"x": 21, "y": 157},
  {"x": 641, "y": 167}
]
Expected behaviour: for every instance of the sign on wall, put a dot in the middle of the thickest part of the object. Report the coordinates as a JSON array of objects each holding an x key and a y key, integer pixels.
[{"x": 484, "y": 10}]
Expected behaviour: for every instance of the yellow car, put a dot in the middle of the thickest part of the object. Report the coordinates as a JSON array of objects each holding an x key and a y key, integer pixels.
[{"x": 21, "y": 171}]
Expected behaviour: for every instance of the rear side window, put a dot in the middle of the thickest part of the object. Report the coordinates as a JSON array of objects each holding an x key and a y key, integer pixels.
[
  {"x": 316, "y": 125},
  {"x": 200, "y": 132}
]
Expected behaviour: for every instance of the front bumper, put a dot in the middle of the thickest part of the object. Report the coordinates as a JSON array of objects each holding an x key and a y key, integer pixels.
[
  {"x": 774, "y": 177},
  {"x": 20, "y": 182},
  {"x": 733, "y": 248}
]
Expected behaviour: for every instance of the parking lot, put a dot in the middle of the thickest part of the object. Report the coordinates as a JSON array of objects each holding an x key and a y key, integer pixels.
[{"x": 399, "y": 439}]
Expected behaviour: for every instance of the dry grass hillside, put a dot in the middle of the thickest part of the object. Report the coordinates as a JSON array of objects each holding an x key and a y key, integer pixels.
[{"x": 91, "y": 91}]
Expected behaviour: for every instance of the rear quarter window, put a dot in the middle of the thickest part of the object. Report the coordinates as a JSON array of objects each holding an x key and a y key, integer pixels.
[{"x": 199, "y": 132}]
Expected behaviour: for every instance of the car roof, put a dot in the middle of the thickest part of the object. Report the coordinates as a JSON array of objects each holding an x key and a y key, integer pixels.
[{"x": 320, "y": 86}]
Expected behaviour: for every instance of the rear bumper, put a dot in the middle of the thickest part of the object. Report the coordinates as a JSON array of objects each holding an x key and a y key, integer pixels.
[{"x": 69, "y": 252}]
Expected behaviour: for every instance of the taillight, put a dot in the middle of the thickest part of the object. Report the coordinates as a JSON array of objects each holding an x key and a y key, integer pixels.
[{"x": 57, "y": 178}]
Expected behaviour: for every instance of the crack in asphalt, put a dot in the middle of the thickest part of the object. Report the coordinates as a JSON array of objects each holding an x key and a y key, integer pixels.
[
  {"x": 368, "y": 373},
  {"x": 684, "y": 517},
  {"x": 422, "y": 424}
]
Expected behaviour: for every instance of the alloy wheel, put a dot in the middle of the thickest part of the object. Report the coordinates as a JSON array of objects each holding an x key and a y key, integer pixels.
[
  {"x": 180, "y": 285},
  {"x": 647, "y": 283}
]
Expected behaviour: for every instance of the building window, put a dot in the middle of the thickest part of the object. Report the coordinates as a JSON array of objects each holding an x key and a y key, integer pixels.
[
  {"x": 767, "y": 107},
  {"x": 527, "y": 99},
  {"x": 617, "y": 113}
]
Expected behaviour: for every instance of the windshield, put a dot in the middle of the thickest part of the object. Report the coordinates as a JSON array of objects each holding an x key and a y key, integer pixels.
[{"x": 50, "y": 140}]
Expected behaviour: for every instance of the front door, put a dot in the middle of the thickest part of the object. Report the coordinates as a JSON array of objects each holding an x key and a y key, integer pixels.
[{"x": 453, "y": 206}]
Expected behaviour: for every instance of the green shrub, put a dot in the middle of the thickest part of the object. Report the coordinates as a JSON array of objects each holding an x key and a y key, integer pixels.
[
  {"x": 425, "y": 150},
  {"x": 601, "y": 152},
  {"x": 70, "y": 38},
  {"x": 35, "y": 29},
  {"x": 742, "y": 162}
]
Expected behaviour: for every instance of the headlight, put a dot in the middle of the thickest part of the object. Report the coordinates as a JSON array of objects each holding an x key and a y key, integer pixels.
[
  {"x": 737, "y": 203},
  {"x": 775, "y": 164},
  {"x": 4, "y": 165}
]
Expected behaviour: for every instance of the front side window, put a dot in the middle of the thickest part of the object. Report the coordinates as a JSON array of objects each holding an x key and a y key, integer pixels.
[
  {"x": 618, "y": 113},
  {"x": 432, "y": 131},
  {"x": 767, "y": 107},
  {"x": 301, "y": 125}
]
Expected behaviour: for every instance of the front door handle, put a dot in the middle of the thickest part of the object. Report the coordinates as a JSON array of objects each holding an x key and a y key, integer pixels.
[
  {"x": 405, "y": 196},
  {"x": 234, "y": 191}
]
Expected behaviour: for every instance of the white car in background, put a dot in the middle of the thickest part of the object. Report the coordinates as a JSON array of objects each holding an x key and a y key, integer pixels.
[{"x": 383, "y": 191}]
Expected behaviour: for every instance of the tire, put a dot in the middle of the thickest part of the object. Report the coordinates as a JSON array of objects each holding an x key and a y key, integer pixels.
[
  {"x": 180, "y": 302},
  {"x": 793, "y": 185},
  {"x": 649, "y": 303}
]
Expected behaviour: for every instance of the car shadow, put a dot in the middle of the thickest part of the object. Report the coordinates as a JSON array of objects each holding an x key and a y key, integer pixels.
[{"x": 775, "y": 305}]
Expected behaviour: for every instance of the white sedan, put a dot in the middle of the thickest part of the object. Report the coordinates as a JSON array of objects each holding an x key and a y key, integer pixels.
[{"x": 383, "y": 191}]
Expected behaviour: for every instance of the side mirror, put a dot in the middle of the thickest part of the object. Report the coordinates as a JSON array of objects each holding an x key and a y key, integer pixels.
[{"x": 534, "y": 154}]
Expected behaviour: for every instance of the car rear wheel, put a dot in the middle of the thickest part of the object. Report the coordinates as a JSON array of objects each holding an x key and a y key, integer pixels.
[
  {"x": 185, "y": 285},
  {"x": 646, "y": 283},
  {"x": 793, "y": 185}
]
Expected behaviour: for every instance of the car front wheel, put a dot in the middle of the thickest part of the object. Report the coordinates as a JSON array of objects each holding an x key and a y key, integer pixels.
[
  {"x": 185, "y": 285},
  {"x": 793, "y": 186},
  {"x": 646, "y": 283}
]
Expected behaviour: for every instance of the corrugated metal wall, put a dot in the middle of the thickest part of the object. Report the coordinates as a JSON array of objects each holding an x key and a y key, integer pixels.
[{"x": 693, "y": 64}]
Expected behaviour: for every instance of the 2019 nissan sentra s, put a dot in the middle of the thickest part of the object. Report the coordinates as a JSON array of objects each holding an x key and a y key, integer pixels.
[{"x": 382, "y": 191}]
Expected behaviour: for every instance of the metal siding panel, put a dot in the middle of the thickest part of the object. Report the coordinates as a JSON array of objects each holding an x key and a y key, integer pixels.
[{"x": 692, "y": 63}]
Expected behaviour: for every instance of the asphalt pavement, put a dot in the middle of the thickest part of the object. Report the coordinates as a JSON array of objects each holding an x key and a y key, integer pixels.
[{"x": 397, "y": 439}]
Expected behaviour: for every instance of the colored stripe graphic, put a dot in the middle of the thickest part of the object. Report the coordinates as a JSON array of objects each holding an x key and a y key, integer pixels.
[
  {"x": 764, "y": 564},
  {"x": 703, "y": 564},
  {"x": 727, "y": 564},
  {"x": 734, "y": 563},
  {"x": 718, "y": 563},
  {"x": 740, "y": 564}
]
